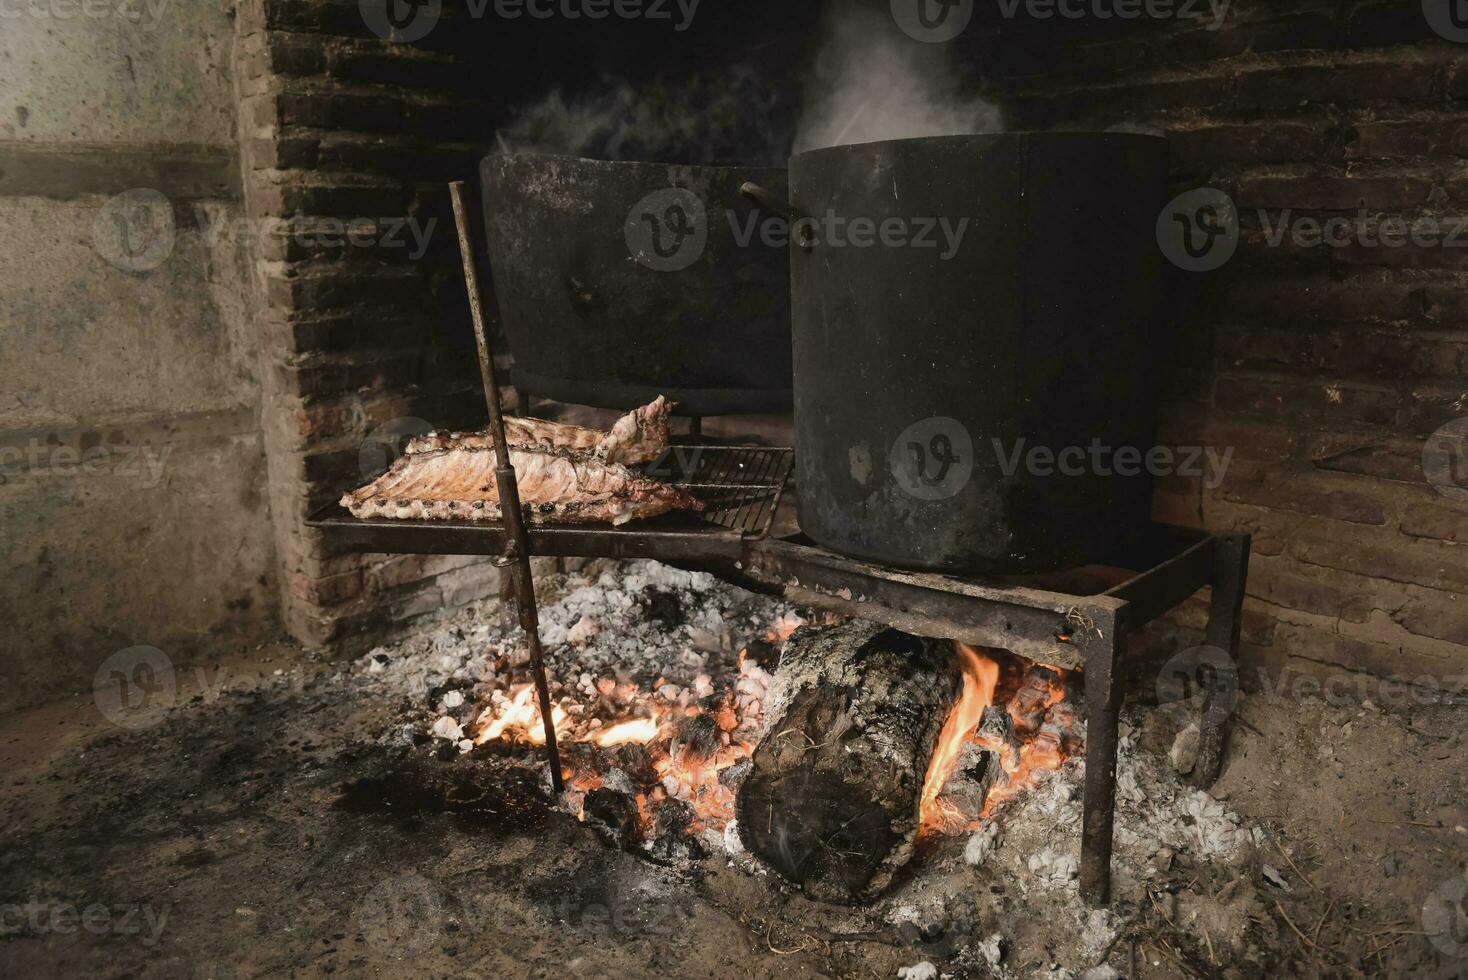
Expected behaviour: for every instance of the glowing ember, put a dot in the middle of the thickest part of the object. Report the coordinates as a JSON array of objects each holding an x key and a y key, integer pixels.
[{"x": 691, "y": 735}]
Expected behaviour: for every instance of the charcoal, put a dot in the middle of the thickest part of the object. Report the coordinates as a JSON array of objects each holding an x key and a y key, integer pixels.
[
  {"x": 698, "y": 738},
  {"x": 613, "y": 816},
  {"x": 671, "y": 840},
  {"x": 634, "y": 760},
  {"x": 662, "y": 606}
]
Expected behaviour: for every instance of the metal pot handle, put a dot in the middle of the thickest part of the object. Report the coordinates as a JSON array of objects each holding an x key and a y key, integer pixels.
[{"x": 804, "y": 236}]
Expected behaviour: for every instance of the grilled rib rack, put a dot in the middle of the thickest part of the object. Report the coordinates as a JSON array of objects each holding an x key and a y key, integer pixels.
[{"x": 740, "y": 486}]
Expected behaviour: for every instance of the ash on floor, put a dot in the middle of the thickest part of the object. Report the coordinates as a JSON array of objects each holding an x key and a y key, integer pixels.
[{"x": 311, "y": 824}]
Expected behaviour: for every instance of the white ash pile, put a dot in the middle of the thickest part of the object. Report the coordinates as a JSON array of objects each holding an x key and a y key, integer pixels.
[
  {"x": 657, "y": 680},
  {"x": 1029, "y": 846}
]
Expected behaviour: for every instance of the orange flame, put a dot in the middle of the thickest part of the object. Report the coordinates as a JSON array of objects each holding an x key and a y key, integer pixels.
[
  {"x": 639, "y": 731},
  {"x": 980, "y": 677}
]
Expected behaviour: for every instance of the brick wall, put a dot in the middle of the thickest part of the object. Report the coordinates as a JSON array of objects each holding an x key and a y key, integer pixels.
[
  {"x": 338, "y": 123},
  {"x": 1325, "y": 367}
]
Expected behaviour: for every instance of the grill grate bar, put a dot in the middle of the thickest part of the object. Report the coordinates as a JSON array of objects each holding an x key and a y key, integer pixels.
[{"x": 739, "y": 485}]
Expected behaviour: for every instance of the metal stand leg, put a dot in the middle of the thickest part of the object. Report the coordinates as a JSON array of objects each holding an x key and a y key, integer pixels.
[
  {"x": 517, "y": 552},
  {"x": 1225, "y": 615},
  {"x": 1103, "y": 707}
]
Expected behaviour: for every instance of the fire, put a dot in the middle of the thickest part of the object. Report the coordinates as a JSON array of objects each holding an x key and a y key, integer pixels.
[
  {"x": 980, "y": 677},
  {"x": 522, "y": 713},
  {"x": 639, "y": 731},
  {"x": 1041, "y": 739},
  {"x": 692, "y": 735}
]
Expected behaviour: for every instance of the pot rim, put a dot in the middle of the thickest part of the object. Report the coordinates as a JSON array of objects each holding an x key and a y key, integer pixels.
[
  {"x": 1055, "y": 136},
  {"x": 730, "y": 168}
]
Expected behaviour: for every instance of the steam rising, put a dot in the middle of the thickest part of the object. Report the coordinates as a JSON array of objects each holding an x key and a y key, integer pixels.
[
  {"x": 872, "y": 82},
  {"x": 735, "y": 116}
]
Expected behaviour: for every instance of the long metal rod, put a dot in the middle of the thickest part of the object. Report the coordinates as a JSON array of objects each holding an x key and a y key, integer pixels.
[{"x": 518, "y": 543}]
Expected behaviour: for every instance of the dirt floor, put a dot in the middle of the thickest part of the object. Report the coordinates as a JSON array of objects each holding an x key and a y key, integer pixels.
[{"x": 282, "y": 820}]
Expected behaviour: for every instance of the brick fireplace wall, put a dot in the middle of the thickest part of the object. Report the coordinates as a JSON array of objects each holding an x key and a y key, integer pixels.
[
  {"x": 1322, "y": 368},
  {"x": 341, "y": 126},
  {"x": 1325, "y": 367}
]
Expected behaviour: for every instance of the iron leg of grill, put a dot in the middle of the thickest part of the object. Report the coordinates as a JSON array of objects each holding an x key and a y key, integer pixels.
[
  {"x": 1225, "y": 615},
  {"x": 1103, "y": 705}
]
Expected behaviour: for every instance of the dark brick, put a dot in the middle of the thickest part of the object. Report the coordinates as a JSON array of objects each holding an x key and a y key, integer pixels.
[
  {"x": 340, "y": 291},
  {"x": 1345, "y": 84},
  {"x": 1349, "y": 352},
  {"x": 1309, "y": 589},
  {"x": 1265, "y": 142},
  {"x": 328, "y": 590},
  {"x": 1379, "y": 457},
  {"x": 295, "y": 54},
  {"x": 1393, "y": 22},
  {"x": 1428, "y": 409},
  {"x": 337, "y": 110},
  {"x": 1325, "y": 193},
  {"x": 1444, "y": 520},
  {"x": 1282, "y": 488},
  {"x": 1440, "y": 615},
  {"x": 1315, "y": 400},
  {"x": 327, "y": 199},
  {"x": 1353, "y": 655},
  {"x": 1429, "y": 136},
  {"x": 386, "y": 63}
]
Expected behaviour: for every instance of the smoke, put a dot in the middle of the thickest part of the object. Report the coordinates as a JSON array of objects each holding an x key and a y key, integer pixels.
[
  {"x": 867, "y": 81},
  {"x": 736, "y": 116},
  {"x": 872, "y": 82}
]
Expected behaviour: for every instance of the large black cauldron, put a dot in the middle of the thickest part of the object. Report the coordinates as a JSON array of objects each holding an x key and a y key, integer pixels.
[
  {"x": 618, "y": 282},
  {"x": 965, "y": 399}
]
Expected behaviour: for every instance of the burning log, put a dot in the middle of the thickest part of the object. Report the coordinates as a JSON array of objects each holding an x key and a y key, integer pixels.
[{"x": 854, "y": 714}]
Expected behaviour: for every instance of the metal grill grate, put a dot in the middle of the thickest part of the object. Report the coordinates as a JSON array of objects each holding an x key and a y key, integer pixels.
[{"x": 740, "y": 485}]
